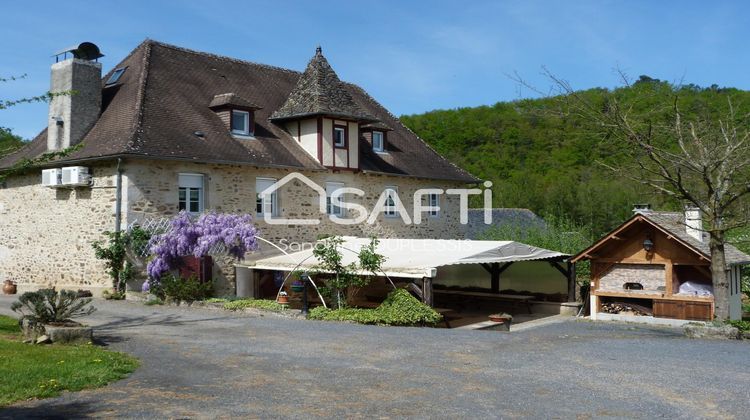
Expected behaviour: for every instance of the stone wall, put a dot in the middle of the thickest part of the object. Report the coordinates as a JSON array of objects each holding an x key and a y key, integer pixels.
[
  {"x": 46, "y": 233},
  {"x": 152, "y": 193},
  {"x": 651, "y": 276}
]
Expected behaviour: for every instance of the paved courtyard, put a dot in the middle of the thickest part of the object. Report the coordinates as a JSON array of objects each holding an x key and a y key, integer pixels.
[{"x": 200, "y": 363}]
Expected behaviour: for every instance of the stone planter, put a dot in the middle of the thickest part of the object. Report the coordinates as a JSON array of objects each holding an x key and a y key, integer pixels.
[
  {"x": 69, "y": 334},
  {"x": 503, "y": 321},
  {"x": 711, "y": 332},
  {"x": 64, "y": 333}
]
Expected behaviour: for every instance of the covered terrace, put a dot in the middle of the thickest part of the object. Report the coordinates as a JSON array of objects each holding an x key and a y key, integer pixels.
[{"x": 426, "y": 266}]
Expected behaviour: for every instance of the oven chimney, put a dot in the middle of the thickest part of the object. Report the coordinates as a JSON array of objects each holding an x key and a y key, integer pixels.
[
  {"x": 694, "y": 223},
  {"x": 641, "y": 208},
  {"x": 76, "y": 76}
]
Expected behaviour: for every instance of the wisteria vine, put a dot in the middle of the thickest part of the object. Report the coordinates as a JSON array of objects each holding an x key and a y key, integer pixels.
[{"x": 197, "y": 237}]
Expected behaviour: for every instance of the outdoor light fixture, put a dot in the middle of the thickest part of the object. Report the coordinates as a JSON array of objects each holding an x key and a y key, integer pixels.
[{"x": 648, "y": 245}]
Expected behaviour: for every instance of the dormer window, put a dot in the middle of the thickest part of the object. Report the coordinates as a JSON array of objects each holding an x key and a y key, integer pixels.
[
  {"x": 241, "y": 123},
  {"x": 339, "y": 136},
  {"x": 376, "y": 134},
  {"x": 237, "y": 114},
  {"x": 378, "y": 141}
]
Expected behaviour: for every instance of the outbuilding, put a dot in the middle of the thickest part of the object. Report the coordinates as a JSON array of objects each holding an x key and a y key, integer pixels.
[{"x": 659, "y": 264}]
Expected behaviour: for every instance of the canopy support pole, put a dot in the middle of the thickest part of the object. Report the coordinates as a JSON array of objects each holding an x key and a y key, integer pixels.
[
  {"x": 571, "y": 281},
  {"x": 427, "y": 291},
  {"x": 570, "y": 275},
  {"x": 495, "y": 270}
]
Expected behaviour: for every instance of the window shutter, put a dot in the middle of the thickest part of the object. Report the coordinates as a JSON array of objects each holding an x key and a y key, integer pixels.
[{"x": 191, "y": 181}]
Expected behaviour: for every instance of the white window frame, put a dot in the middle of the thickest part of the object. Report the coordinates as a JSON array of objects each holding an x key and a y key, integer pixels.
[
  {"x": 388, "y": 209},
  {"x": 433, "y": 200},
  {"x": 330, "y": 208},
  {"x": 190, "y": 182},
  {"x": 378, "y": 147},
  {"x": 246, "y": 117},
  {"x": 343, "y": 136},
  {"x": 268, "y": 202}
]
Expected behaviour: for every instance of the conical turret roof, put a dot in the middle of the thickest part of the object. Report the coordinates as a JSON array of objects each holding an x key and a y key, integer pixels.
[{"x": 320, "y": 92}]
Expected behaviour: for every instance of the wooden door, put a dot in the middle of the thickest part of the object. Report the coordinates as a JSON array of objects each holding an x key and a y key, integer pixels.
[
  {"x": 695, "y": 311},
  {"x": 669, "y": 309},
  {"x": 698, "y": 311}
]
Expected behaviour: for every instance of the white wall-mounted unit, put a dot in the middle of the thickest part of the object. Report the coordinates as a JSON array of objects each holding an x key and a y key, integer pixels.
[
  {"x": 76, "y": 176},
  {"x": 51, "y": 177}
]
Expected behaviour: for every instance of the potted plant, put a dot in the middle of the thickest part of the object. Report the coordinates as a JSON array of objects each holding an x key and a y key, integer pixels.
[
  {"x": 502, "y": 318},
  {"x": 9, "y": 287},
  {"x": 46, "y": 315},
  {"x": 283, "y": 298},
  {"x": 298, "y": 286}
]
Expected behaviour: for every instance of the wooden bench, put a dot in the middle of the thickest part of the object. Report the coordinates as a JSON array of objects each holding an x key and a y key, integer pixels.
[{"x": 524, "y": 300}]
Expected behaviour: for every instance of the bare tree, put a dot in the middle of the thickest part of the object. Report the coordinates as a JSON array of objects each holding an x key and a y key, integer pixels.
[{"x": 702, "y": 160}]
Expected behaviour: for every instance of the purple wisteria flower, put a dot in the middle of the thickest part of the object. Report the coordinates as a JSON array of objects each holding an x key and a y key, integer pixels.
[{"x": 197, "y": 237}]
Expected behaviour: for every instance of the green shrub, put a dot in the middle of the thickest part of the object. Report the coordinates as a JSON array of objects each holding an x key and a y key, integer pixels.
[
  {"x": 49, "y": 306},
  {"x": 184, "y": 290},
  {"x": 217, "y": 300},
  {"x": 740, "y": 325},
  {"x": 153, "y": 302},
  {"x": 268, "y": 305},
  {"x": 358, "y": 315},
  {"x": 400, "y": 308},
  {"x": 113, "y": 295}
]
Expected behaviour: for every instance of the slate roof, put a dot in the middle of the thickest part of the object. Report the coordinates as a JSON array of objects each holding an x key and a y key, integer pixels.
[
  {"x": 320, "y": 92},
  {"x": 521, "y": 218},
  {"x": 376, "y": 126},
  {"x": 231, "y": 99},
  {"x": 163, "y": 98},
  {"x": 674, "y": 223}
]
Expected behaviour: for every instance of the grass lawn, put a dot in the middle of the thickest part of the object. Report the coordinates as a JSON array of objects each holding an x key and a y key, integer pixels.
[{"x": 29, "y": 371}]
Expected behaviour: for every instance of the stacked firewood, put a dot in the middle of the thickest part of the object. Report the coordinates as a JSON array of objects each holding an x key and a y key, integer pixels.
[{"x": 629, "y": 308}]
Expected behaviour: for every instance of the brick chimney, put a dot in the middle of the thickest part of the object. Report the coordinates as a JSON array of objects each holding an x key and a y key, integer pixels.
[
  {"x": 72, "y": 114},
  {"x": 694, "y": 223}
]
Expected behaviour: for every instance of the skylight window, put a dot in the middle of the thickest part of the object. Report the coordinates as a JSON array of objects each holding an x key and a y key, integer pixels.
[{"x": 115, "y": 76}]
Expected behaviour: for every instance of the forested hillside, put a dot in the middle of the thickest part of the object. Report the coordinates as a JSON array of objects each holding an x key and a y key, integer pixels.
[
  {"x": 8, "y": 141},
  {"x": 541, "y": 156}
]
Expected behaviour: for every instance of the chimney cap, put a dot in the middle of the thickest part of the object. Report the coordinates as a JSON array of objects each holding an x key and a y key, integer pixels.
[
  {"x": 84, "y": 51},
  {"x": 641, "y": 208}
]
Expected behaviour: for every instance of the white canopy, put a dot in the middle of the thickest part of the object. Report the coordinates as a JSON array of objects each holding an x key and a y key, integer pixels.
[{"x": 415, "y": 258}]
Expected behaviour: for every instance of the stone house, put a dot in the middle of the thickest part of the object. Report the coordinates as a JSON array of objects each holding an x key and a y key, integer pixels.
[
  {"x": 659, "y": 264},
  {"x": 170, "y": 129}
]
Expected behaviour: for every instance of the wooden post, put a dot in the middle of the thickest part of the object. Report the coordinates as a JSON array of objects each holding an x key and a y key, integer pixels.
[
  {"x": 427, "y": 291},
  {"x": 668, "y": 278},
  {"x": 495, "y": 270},
  {"x": 495, "y": 278},
  {"x": 571, "y": 282}
]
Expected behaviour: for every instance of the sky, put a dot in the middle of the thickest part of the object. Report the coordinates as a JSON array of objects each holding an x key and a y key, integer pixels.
[{"x": 411, "y": 56}]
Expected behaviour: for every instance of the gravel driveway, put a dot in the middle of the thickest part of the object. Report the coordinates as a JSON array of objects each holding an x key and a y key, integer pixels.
[{"x": 203, "y": 363}]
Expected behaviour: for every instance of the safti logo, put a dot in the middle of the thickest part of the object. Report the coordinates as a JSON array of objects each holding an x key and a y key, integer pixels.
[{"x": 343, "y": 212}]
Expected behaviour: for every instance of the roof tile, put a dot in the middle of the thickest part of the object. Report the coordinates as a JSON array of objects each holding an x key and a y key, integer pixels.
[{"x": 164, "y": 97}]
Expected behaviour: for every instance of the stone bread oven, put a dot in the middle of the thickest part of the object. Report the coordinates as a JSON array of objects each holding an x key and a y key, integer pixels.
[{"x": 659, "y": 262}]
